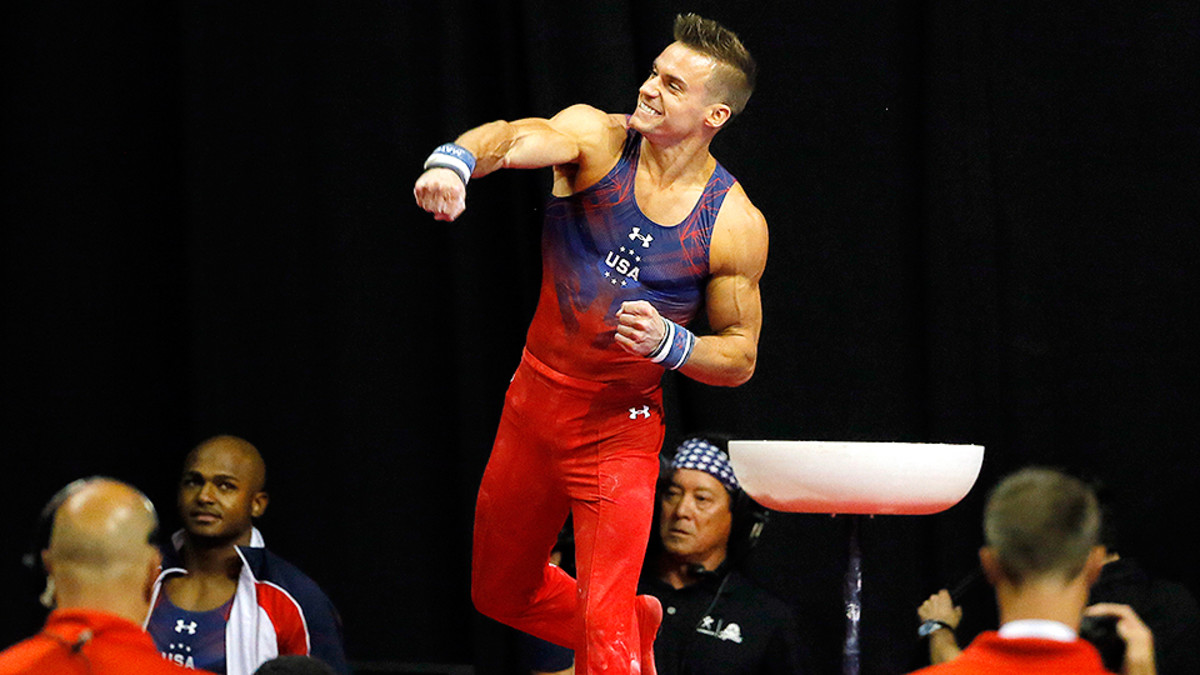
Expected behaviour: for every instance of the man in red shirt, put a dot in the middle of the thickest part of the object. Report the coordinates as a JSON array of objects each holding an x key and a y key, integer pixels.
[
  {"x": 1042, "y": 555},
  {"x": 100, "y": 566}
]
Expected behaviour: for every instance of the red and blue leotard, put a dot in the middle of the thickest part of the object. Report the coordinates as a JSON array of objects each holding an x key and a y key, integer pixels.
[{"x": 582, "y": 424}]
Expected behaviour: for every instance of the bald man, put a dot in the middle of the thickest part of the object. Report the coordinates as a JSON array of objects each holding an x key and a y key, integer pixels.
[
  {"x": 100, "y": 568},
  {"x": 222, "y": 602}
]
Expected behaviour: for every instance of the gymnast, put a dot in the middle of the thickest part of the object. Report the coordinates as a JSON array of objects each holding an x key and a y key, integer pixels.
[{"x": 643, "y": 228}]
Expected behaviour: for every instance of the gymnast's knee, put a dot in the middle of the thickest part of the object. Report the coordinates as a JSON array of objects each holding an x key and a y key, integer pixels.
[{"x": 494, "y": 598}]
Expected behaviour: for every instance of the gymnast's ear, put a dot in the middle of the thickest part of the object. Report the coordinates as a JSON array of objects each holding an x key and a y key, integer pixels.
[{"x": 717, "y": 115}]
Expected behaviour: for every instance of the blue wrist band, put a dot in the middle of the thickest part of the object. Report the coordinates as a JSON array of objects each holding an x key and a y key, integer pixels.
[
  {"x": 676, "y": 346},
  {"x": 454, "y": 157}
]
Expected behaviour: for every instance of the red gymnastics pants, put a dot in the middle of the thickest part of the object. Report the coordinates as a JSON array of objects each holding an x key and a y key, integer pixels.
[{"x": 566, "y": 445}]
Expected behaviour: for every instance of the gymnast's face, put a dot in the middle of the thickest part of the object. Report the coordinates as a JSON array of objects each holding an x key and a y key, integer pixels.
[
  {"x": 696, "y": 518},
  {"x": 674, "y": 101}
]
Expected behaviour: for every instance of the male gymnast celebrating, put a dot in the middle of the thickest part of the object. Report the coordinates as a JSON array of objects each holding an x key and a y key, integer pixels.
[{"x": 644, "y": 226}]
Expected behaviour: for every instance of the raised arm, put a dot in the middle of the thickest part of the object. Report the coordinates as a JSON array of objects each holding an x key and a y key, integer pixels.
[
  {"x": 737, "y": 258},
  {"x": 575, "y": 136}
]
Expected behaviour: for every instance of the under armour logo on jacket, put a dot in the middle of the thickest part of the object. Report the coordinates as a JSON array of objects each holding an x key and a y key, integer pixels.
[{"x": 634, "y": 412}]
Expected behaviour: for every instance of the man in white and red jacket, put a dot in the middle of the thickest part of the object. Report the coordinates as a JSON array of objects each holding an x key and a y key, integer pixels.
[{"x": 222, "y": 602}]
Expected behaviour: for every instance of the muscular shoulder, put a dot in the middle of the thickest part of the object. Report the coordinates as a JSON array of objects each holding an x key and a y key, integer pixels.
[
  {"x": 740, "y": 238},
  {"x": 584, "y": 120},
  {"x": 600, "y": 137},
  {"x": 598, "y": 133}
]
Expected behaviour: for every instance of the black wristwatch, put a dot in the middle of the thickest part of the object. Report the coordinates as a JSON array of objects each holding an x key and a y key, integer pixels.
[{"x": 930, "y": 625}]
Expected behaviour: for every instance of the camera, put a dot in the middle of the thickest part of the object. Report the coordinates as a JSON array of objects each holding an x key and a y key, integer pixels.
[{"x": 1101, "y": 631}]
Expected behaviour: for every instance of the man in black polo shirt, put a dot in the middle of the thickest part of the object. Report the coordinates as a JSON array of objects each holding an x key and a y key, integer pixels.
[{"x": 715, "y": 621}]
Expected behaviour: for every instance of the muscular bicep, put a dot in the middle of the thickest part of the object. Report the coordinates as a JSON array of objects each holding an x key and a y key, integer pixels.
[
  {"x": 534, "y": 143},
  {"x": 737, "y": 260},
  {"x": 539, "y": 143},
  {"x": 734, "y": 307}
]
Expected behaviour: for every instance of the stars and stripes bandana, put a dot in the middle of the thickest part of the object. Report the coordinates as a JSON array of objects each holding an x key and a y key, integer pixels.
[{"x": 699, "y": 454}]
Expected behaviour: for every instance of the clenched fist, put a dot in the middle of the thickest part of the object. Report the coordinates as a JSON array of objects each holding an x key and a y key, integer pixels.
[
  {"x": 639, "y": 327},
  {"x": 442, "y": 193}
]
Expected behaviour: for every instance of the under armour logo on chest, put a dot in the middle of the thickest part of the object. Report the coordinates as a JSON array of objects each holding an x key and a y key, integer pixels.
[
  {"x": 644, "y": 411},
  {"x": 180, "y": 626},
  {"x": 636, "y": 234}
]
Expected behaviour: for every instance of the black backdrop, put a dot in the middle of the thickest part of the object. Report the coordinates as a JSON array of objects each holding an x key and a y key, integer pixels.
[{"x": 983, "y": 230}]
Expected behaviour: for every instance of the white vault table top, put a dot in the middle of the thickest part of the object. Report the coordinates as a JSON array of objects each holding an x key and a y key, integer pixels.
[{"x": 855, "y": 477}]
